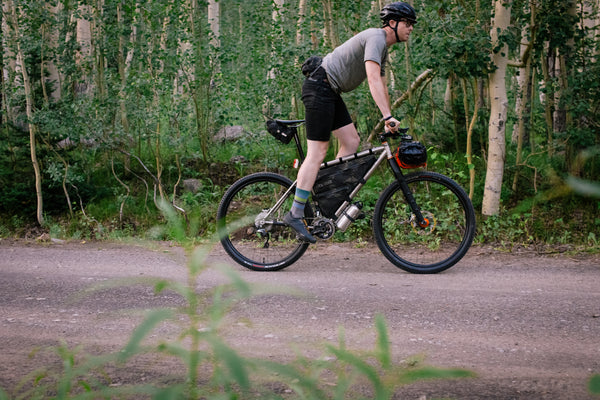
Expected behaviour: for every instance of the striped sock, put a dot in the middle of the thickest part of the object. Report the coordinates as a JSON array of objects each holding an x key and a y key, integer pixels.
[{"x": 300, "y": 199}]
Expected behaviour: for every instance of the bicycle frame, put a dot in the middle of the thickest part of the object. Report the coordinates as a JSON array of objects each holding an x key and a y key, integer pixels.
[
  {"x": 418, "y": 241},
  {"x": 384, "y": 152}
]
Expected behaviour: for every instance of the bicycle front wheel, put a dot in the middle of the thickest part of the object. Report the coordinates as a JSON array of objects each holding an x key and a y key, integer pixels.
[
  {"x": 253, "y": 241},
  {"x": 447, "y": 236}
]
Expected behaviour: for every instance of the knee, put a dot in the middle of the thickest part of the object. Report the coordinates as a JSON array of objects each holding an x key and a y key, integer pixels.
[
  {"x": 349, "y": 144},
  {"x": 353, "y": 142},
  {"x": 316, "y": 154}
]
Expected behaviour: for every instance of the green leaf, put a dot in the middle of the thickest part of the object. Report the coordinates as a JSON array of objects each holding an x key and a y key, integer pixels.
[
  {"x": 153, "y": 319},
  {"x": 364, "y": 368},
  {"x": 239, "y": 284},
  {"x": 434, "y": 373},
  {"x": 383, "y": 342},
  {"x": 234, "y": 363},
  {"x": 594, "y": 384}
]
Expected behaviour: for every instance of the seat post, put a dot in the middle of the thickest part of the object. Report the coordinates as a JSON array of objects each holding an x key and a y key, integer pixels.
[{"x": 299, "y": 146}]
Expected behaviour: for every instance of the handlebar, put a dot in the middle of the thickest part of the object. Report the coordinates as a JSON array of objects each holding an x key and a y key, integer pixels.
[{"x": 400, "y": 133}]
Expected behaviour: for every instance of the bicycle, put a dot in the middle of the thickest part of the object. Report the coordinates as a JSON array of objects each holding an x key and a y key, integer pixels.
[{"x": 423, "y": 222}]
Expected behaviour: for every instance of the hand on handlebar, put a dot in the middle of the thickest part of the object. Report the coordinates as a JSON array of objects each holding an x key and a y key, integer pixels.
[{"x": 392, "y": 125}]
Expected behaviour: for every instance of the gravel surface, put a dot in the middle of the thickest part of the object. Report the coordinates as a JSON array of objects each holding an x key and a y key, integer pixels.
[{"x": 527, "y": 324}]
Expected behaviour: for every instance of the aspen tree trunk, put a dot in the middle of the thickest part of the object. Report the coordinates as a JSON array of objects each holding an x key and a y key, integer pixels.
[
  {"x": 214, "y": 21},
  {"x": 122, "y": 68},
  {"x": 560, "y": 111},
  {"x": 299, "y": 42},
  {"x": 97, "y": 30},
  {"x": 53, "y": 72},
  {"x": 268, "y": 108},
  {"x": 9, "y": 63},
  {"x": 29, "y": 111},
  {"x": 592, "y": 25},
  {"x": 49, "y": 41},
  {"x": 376, "y": 6},
  {"x": 7, "y": 69},
  {"x": 523, "y": 99},
  {"x": 448, "y": 94},
  {"x": 84, "y": 40},
  {"x": 498, "y": 113},
  {"x": 160, "y": 125},
  {"x": 548, "y": 61},
  {"x": 200, "y": 89},
  {"x": 301, "y": 19},
  {"x": 331, "y": 36}
]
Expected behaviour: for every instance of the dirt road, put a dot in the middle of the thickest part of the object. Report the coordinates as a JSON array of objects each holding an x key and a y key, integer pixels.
[{"x": 528, "y": 325}]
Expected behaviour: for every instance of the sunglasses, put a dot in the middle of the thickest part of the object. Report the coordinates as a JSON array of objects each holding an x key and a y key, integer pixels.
[{"x": 408, "y": 23}]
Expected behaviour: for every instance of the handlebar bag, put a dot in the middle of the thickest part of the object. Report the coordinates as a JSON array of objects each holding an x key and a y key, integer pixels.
[{"x": 411, "y": 154}]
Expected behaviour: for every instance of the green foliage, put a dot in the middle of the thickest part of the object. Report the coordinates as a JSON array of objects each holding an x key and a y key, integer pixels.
[
  {"x": 135, "y": 110},
  {"x": 453, "y": 43},
  {"x": 594, "y": 384}
]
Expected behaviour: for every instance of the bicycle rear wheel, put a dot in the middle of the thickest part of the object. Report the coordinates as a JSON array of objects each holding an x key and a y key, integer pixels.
[
  {"x": 267, "y": 247},
  {"x": 436, "y": 247}
]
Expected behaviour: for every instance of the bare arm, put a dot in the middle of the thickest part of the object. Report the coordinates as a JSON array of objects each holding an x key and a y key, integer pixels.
[{"x": 379, "y": 92}]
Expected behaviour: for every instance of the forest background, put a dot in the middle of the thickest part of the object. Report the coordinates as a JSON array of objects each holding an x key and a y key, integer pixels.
[{"x": 109, "y": 107}]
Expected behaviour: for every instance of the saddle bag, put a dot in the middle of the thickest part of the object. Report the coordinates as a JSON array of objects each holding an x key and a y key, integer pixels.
[
  {"x": 335, "y": 183},
  {"x": 281, "y": 132}
]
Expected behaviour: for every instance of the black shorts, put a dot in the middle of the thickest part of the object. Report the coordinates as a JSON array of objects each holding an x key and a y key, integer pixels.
[{"x": 325, "y": 109}]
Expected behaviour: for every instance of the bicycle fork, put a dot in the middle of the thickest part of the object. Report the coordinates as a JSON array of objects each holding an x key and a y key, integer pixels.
[{"x": 408, "y": 195}]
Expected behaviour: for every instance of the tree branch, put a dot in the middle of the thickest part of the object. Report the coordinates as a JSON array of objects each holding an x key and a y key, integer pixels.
[{"x": 413, "y": 87}]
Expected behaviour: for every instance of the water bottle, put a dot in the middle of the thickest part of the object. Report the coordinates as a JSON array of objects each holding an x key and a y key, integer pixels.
[{"x": 349, "y": 215}]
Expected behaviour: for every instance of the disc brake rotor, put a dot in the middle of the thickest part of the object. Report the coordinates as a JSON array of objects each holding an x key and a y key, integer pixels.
[{"x": 429, "y": 225}]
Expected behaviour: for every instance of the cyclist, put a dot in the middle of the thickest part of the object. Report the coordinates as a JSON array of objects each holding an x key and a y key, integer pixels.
[{"x": 345, "y": 68}]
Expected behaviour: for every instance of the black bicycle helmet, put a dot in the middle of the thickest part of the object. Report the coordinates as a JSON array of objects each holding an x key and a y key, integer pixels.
[{"x": 398, "y": 11}]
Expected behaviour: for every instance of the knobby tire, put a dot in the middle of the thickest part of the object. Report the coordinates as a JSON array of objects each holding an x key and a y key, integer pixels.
[
  {"x": 276, "y": 247},
  {"x": 430, "y": 249}
]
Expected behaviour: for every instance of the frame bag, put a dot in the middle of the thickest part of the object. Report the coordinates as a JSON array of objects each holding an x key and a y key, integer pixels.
[{"x": 335, "y": 183}]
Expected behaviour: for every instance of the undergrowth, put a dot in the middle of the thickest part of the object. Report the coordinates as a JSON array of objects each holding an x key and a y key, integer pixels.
[{"x": 565, "y": 213}]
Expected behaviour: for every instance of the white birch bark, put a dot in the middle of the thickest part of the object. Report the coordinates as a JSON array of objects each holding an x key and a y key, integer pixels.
[
  {"x": 498, "y": 113},
  {"x": 301, "y": 19},
  {"x": 214, "y": 21}
]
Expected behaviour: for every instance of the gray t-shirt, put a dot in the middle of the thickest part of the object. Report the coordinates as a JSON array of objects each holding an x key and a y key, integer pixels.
[{"x": 345, "y": 65}]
